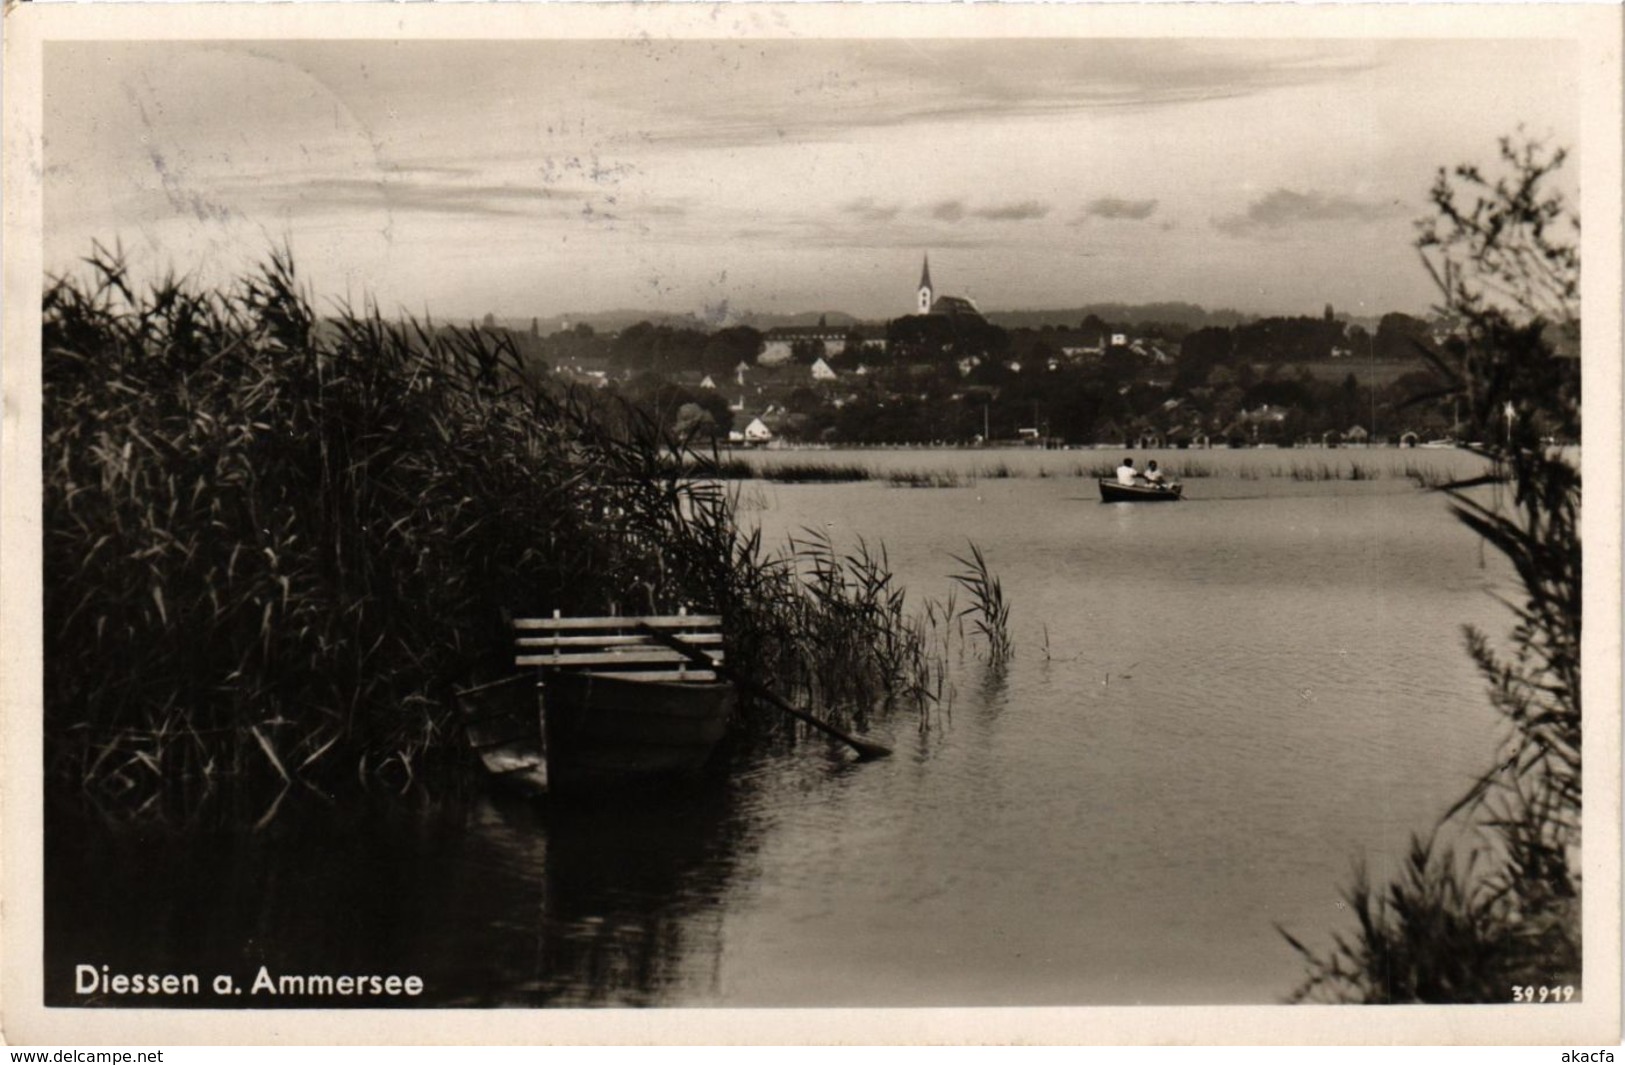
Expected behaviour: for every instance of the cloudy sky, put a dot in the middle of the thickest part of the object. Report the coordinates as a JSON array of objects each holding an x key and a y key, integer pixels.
[{"x": 543, "y": 178}]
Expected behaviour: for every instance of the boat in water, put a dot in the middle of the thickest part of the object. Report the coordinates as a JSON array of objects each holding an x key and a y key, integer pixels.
[
  {"x": 1113, "y": 491},
  {"x": 600, "y": 702}
]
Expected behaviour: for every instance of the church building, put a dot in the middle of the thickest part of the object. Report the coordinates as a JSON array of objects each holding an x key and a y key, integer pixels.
[{"x": 928, "y": 302}]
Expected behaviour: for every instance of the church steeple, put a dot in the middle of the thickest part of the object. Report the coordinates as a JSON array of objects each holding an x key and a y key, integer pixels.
[{"x": 925, "y": 293}]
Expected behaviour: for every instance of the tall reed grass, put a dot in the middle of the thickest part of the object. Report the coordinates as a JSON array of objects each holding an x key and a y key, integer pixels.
[
  {"x": 988, "y": 610},
  {"x": 815, "y": 473},
  {"x": 275, "y": 543},
  {"x": 928, "y": 479},
  {"x": 1323, "y": 471}
]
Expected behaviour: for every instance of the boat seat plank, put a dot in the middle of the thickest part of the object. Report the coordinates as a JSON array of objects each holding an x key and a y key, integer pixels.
[
  {"x": 663, "y": 621},
  {"x": 613, "y": 647},
  {"x": 710, "y": 638},
  {"x": 579, "y": 660}
]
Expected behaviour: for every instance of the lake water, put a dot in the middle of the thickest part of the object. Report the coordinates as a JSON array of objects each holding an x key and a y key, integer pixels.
[{"x": 1215, "y": 708}]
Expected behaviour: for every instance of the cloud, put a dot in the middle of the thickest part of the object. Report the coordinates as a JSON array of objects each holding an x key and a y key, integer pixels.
[
  {"x": 867, "y": 210},
  {"x": 891, "y": 85},
  {"x": 408, "y": 196},
  {"x": 1014, "y": 212},
  {"x": 1113, "y": 207},
  {"x": 810, "y": 232},
  {"x": 956, "y": 211},
  {"x": 399, "y": 195},
  {"x": 1284, "y": 209}
]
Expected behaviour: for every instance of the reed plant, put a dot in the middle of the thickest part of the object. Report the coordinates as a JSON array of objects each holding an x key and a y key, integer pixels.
[
  {"x": 829, "y": 628},
  {"x": 988, "y": 611},
  {"x": 1324, "y": 471},
  {"x": 718, "y": 468},
  {"x": 815, "y": 473},
  {"x": 927, "y": 479}
]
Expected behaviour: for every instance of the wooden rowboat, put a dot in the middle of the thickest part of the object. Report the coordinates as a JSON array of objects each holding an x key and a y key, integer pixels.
[
  {"x": 600, "y": 702},
  {"x": 599, "y": 729},
  {"x": 1113, "y": 492}
]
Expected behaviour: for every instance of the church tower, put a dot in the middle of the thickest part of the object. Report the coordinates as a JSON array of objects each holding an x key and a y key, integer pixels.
[{"x": 925, "y": 293}]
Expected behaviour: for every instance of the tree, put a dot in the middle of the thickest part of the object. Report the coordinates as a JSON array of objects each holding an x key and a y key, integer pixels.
[
  {"x": 1504, "y": 254},
  {"x": 694, "y": 421},
  {"x": 1401, "y": 338},
  {"x": 729, "y": 347}
]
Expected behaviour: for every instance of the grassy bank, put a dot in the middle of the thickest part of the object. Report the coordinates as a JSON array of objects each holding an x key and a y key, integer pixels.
[{"x": 274, "y": 544}]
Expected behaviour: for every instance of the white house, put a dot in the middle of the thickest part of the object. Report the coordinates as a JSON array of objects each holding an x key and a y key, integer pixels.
[
  {"x": 757, "y": 432},
  {"x": 822, "y": 372}
]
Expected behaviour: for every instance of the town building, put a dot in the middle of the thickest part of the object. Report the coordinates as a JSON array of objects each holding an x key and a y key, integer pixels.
[
  {"x": 779, "y": 343},
  {"x": 926, "y": 300}
]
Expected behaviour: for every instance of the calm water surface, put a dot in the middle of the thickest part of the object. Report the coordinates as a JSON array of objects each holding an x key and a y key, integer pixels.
[{"x": 1216, "y": 708}]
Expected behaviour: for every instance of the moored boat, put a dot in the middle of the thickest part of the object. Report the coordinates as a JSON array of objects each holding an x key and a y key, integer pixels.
[
  {"x": 1111, "y": 491},
  {"x": 599, "y": 729},
  {"x": 605, "y": 704}
]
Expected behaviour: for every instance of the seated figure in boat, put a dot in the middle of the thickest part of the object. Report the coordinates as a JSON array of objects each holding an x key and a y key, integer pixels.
[
  {"x": 1155, "y": 477},
  {"x": 1127, "y": 474}
]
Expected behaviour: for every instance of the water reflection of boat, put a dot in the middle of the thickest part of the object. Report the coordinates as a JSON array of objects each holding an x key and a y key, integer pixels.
[
  {"x": 1113, "y": 492},
  {"x": 606, "y": 703}
]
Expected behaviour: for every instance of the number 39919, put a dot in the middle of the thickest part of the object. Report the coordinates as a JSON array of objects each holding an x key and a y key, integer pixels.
[{"x": 1564, "y": 993}]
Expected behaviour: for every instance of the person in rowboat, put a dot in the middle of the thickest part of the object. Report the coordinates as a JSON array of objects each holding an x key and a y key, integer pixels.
[
  {"x": 1127, "y": 474},
  {"x": 1155, "y": 477}
]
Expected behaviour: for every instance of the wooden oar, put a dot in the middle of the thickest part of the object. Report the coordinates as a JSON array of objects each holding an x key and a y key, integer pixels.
[{"x": 866, "y": 749}]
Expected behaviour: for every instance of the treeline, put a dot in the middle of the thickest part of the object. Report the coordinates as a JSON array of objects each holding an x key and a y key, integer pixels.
[
  {"x": 961, "y": 378},
  {"x": 1399, "y": 338},
  {"x": 1111, "y": 400},
  {"x": 1173, "y": 316},
  {"x": 641, "y": 348}
]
